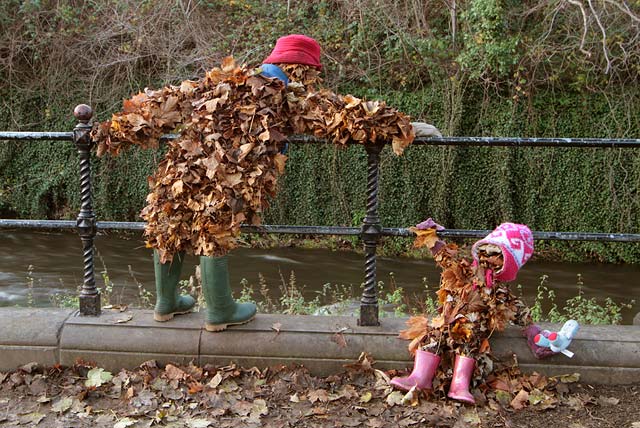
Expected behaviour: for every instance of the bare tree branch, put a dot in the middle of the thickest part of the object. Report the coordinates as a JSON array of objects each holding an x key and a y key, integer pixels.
[
  {"x": 624, "y": 8},
  {"x": 585, "y": 26},
  {"x": 605, "y": 50}
]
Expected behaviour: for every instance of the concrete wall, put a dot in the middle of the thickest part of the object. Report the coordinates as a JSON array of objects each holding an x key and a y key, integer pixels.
[{"x": 603, "y": 354}]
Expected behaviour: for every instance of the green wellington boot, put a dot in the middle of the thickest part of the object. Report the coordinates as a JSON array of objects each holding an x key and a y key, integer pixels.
[
  {"x": 169, "y": 302},
  {"x": 222, "y": 310}
]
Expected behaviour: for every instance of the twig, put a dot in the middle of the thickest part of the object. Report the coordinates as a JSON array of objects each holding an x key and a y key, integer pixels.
[
  {"x": 624, "y": 9},
  {"x": 594, "y": 417},
  {"x": 604, "y": 37},
  {"x": 585, "y": 26}
]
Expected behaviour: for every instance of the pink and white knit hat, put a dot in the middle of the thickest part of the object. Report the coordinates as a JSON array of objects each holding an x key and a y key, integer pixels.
[{"x": 516, "y": 243}]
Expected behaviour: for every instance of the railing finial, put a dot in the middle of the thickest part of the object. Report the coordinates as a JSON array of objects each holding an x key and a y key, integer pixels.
[{"x": 83, "y": 113}]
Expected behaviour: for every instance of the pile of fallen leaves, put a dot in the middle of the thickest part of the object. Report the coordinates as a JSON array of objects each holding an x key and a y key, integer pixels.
[
  {"x": 469, "y": 310},
  {"x": 197, "y": 397},
  {"x": 223, "y": 168}
]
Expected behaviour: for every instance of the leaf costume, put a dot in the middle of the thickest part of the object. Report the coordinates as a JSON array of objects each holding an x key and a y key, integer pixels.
[
  {"x": 474, "y": 299},
  {"x": 225, "y": 165}
]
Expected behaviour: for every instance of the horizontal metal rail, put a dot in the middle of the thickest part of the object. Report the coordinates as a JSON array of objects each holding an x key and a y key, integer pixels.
[
  {"x": 436, "y": 141},
  {"x": 329, "y": 230},
  {"x": 38, "y": 136}
]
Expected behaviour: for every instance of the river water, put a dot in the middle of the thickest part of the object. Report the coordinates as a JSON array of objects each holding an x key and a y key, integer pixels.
[{"x": 34, "y": 265}]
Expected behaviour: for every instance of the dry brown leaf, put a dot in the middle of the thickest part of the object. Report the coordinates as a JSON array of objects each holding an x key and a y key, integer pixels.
[
  {"x": 424, "y": 237},
  {"x": 521, "y": 399}
]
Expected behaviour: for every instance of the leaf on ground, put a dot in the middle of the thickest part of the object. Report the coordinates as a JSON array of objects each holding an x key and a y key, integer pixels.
[
  {"x": 242, "y": 408},
  {"x": 38, "y": 385},
  {"x": 503, "y": 397},
  {"x": 570, "y": 378},
  {"x": 124, "y": 423},
  {"x": 366, "y": 397},
  {"x": 119, "y": 308},
  {"x": 32, "y": 419},
  {"x": 411, "y": 397},
  {"x": 97, "y": 377},
  {"x": 562, "y": 388},
  {"x": 608, "y": 401},
  {"x": 395, "y": 398},
  {"x": 259, "y": 408},
  {"x": 318, "y": 395},
  {"x": 470, "y": 418},
  {"x": 62, "y": 405},
  {"x": 144, "y": 398},
  {"x": 365, "y": 362},
  {"x": 520, "y": 400},
  {"x": 215, "y": 381},
  {"x": 276, "y": 326},
  {"x": 159, "y": 384},
  {"x": 382, "y": 380},
  {"x": 349, "y": 392},
  {"x": 171, "y": 393},
  {"x": 350, "y": 422},
  {"x": 198, "y": 423},
  {"x": 375, "y": 423},
  {"x": 174, "y": 373},
  {"x": 29, "y": 367},
  {"x": 195, "y": 387},
  {"x": 124, "y": 319},
  {"x": 574, "y": 402},
  {"x": 541, "y": 400},
  {"x": 229, "y": 386}
]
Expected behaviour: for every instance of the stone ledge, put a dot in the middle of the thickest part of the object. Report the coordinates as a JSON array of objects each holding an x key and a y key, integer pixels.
[
  {"x": 603, "y": 354},
  {"x": 30, "y": 334}
]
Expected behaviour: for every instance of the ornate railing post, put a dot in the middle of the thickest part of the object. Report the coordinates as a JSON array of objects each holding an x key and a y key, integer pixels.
[
  {"x": 86, "y": 223},
  {"x": 371, "y": 232}
]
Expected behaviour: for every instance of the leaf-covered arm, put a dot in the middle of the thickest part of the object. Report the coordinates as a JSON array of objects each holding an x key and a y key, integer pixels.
[
  {"x": 339, "y": 119},
  {"x": 144, "y": 118}
]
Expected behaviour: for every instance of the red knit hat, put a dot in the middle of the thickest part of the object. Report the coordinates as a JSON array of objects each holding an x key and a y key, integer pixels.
[{"x": 295, "y": 49}]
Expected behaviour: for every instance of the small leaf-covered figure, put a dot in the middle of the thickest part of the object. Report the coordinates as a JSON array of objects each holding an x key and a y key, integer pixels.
[
  {"x": 225, "y": 165},
  {"x": 474, "y": 302}
]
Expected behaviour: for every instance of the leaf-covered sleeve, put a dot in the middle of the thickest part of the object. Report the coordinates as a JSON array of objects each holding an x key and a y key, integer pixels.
[
  {"x": 339, "y": 119},
  {"x": 144, "y": 118}
]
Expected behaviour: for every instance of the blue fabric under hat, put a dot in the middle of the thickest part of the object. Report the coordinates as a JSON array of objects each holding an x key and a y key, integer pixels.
[{"x": 271, "y": 70}]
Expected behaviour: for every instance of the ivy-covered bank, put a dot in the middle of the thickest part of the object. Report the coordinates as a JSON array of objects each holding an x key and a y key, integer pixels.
[{"x": 484, "y": 67}]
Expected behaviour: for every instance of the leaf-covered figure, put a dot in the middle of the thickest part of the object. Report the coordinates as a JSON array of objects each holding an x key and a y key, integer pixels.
[
  {"x": 474, "y": 302},
  {"x": 225, "y": 165}
]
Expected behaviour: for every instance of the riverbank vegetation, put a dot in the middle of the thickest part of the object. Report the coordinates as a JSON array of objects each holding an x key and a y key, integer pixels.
[
  {"x": 290, "y": 297},
  {"x": 534, "y": 68}
]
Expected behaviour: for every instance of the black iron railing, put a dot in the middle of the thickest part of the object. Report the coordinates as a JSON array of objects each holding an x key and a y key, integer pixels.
[{"x": 370, "y": 232}]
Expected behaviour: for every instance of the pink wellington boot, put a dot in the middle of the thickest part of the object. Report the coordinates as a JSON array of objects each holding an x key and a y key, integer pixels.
[
  {"x": 424, "y": 368},
  {"x": 462, "y": 372}
]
